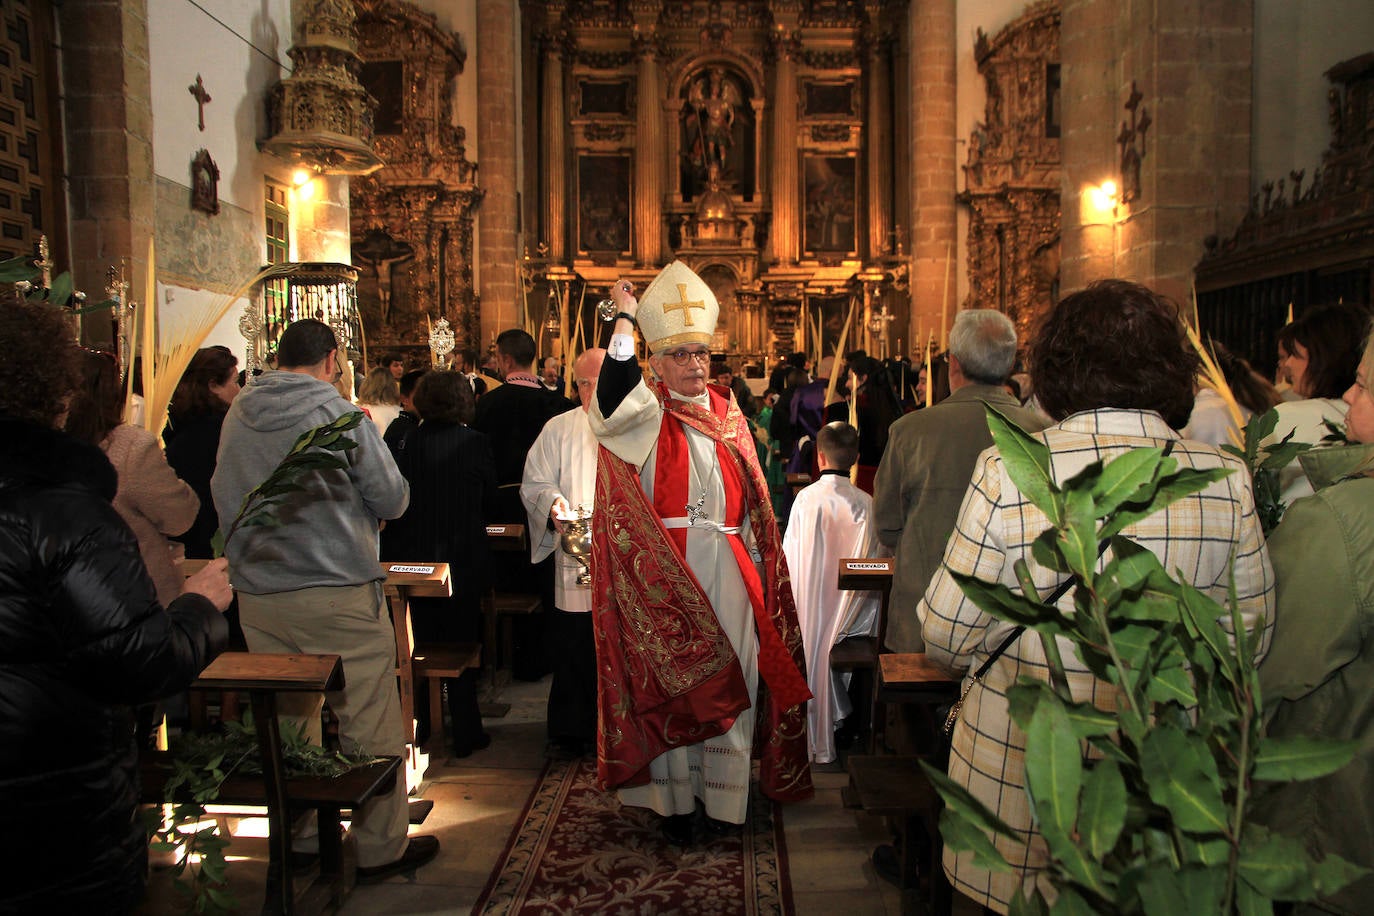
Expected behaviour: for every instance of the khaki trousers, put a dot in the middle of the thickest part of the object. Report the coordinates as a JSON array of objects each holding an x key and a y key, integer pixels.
[{"x": 351, "y": 622}]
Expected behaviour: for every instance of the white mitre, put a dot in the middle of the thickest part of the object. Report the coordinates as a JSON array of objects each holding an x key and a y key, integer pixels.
[{"x": 677, "y": 308}]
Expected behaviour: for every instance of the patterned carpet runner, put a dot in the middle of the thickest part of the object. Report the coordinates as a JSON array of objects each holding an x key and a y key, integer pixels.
[{"x": 577, "y": 850}]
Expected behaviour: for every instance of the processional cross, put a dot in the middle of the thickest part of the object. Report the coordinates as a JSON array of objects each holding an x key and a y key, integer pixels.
[
  {"x": 202, "y": 97},
  {"x": 682, "y": 305}
]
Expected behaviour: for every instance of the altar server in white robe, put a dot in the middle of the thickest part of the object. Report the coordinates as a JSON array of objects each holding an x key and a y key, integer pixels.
[
  {"x": 831, "y": 519},
  {"x": 560, "y": 482}
]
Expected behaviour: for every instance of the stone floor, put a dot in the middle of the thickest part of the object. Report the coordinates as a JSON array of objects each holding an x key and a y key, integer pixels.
[{"x": 479, "y": 799}]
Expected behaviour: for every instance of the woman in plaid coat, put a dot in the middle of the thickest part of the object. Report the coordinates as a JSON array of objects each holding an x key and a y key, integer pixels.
[{"x": 1112, "y": 367}]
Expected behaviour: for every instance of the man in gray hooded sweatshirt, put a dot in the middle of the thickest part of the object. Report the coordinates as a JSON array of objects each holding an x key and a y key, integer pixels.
[{"x": 313, "y": 583}]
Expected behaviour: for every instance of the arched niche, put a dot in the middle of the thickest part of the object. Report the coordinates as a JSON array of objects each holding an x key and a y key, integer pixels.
[{"x": 716, "y": 103}]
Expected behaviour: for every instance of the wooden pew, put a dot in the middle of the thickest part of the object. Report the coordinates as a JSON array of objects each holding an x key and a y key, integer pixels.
[
  {"x": 896, "y": 787},
  {"x": 405, "y": 581},
  {"x": 262, "y": 676},
  {"x": 498, "y": 608},
  {"x": 860, "y": 653}
]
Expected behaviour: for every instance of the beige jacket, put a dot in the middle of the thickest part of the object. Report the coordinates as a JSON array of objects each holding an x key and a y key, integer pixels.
[{"x": 154, "y": 502}]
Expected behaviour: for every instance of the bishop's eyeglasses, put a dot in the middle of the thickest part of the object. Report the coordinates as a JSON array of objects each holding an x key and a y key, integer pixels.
[{"x": 683, "y": 357}]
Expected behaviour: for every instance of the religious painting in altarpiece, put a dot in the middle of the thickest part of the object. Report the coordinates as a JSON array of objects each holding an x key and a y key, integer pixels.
[
  {"x": 603, "y": 203},
  {"x": 830, "y": 198}
]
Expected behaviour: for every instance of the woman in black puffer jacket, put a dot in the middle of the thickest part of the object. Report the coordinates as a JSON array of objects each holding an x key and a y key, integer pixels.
[{"x": 82, "y": 640}]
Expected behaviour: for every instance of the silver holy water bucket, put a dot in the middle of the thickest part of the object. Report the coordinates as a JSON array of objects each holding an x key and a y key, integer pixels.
[{"x": 576, "y": 541}]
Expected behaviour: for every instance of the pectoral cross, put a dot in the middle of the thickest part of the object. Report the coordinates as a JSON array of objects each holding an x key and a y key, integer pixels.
[
  {"x": 197, "y": 89},
  {"x": 694, "y": 513},
  {"x": 684, "y": 306}
]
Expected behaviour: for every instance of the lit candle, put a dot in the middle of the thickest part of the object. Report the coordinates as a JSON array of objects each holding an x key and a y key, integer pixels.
[
  {"x": 944, "y": 302},
  {"x": 930, "y": 374}
]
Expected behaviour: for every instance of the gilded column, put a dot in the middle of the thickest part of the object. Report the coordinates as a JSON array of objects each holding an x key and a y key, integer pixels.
[
  {"x": 554, "y": 167},
  {"x": 879, "y": 143},
  {"x": 934, "y": 219},
  {"x": 649, "y": 152},
  {"x": 496, "y": 139},
  {"x": 785, "y": 232}
]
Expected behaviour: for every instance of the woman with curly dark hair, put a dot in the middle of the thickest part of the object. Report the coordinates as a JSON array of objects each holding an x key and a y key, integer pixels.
[
  {"x": 84, "y": 640},
  {"x": 199, "y": 403},
  {"x": 1112, "y": 367}
]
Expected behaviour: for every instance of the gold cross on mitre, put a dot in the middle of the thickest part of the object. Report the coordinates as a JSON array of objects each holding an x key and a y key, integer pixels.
[{"x": 684, "y": 306}]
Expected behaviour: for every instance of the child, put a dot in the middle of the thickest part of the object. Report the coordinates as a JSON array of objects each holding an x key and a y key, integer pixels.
[{"x": 831, "y": 520}]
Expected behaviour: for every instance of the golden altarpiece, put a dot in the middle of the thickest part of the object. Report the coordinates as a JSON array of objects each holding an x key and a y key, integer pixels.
[
  {"x": 1013, "y": 172},
  {"x": 753, "y": 140},
  {"x": 763, "y": 142},
  {"x": 412, "y": 221}
]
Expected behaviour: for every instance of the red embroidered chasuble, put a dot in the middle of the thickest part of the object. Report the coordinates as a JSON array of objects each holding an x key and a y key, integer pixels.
[{"x": 668, "y": 676}]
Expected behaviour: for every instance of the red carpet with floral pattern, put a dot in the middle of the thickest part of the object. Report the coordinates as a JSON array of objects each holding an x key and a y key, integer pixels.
[{"x": 576, "y": 850}]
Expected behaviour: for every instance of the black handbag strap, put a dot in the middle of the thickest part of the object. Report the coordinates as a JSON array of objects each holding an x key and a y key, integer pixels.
[{"x": 1015, "y": 634}]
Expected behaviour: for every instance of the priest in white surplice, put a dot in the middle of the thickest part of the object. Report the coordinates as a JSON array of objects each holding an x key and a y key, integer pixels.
[
  {"x": 698, "y": 648},
  {"x": 830, "y": 520},
  {"x": 559, "y": 481}
]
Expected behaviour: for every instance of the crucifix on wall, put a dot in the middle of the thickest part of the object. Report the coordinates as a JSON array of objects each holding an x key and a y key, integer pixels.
[
  {"x": 197, "y": 89},
  {"x": 1132, "y": 142}
]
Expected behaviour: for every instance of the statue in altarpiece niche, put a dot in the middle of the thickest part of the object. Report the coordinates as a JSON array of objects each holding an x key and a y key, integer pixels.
[{"x": 715, "y": 127}]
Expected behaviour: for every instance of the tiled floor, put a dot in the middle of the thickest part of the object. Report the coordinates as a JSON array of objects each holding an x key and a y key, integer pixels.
[{"x": 479, "y": 799}]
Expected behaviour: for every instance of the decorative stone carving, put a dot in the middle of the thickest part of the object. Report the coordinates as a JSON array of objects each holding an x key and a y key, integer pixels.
[
  {"x": 611, "y": 133},
  {"x": 831, "y": 60},
  {"x": 832, "y": 13},
  {"x": 412, "y": 222},
  {"x": 1013, "y": 171},
  {"x": 829, "y": 133},
  {"x": 320, "y": 116},
  {"x": 1304, "y": 245},
  {"x": 609, "y": 60}
]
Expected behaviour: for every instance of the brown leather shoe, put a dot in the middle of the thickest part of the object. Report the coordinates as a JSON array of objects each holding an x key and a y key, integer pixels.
[{"x": 419, "y": 851}]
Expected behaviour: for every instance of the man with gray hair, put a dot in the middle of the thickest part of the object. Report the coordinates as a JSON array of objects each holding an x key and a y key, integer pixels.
[{"x": 930, "y": 457}]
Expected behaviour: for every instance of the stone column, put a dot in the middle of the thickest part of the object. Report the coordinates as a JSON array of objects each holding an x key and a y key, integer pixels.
[
  {"x": 109, "y": 143},
  {"x": 784, "y": 234},
  {"x": 649, "y": 153},
  {"x": 878, "y": 143},
  {"x": 1089, "y": 89},
  {"x": 554, "y": 164},
  {"x": 497, "y": 109},
  {"x": 934, "y": 221},
  {"x": 1192, "y": 67}
]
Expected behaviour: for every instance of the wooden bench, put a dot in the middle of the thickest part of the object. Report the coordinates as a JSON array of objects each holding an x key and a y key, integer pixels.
[
  {"x": 423, "y": 662},
  {"x": 405, "y": 581},
  {"x": 860, "y": 653},
  {"x": 262, "y": 676},
  {"x": 432, "y": 664},
  {"x": 499, "y": 607},
  {"x": 896, "y": 787}
]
